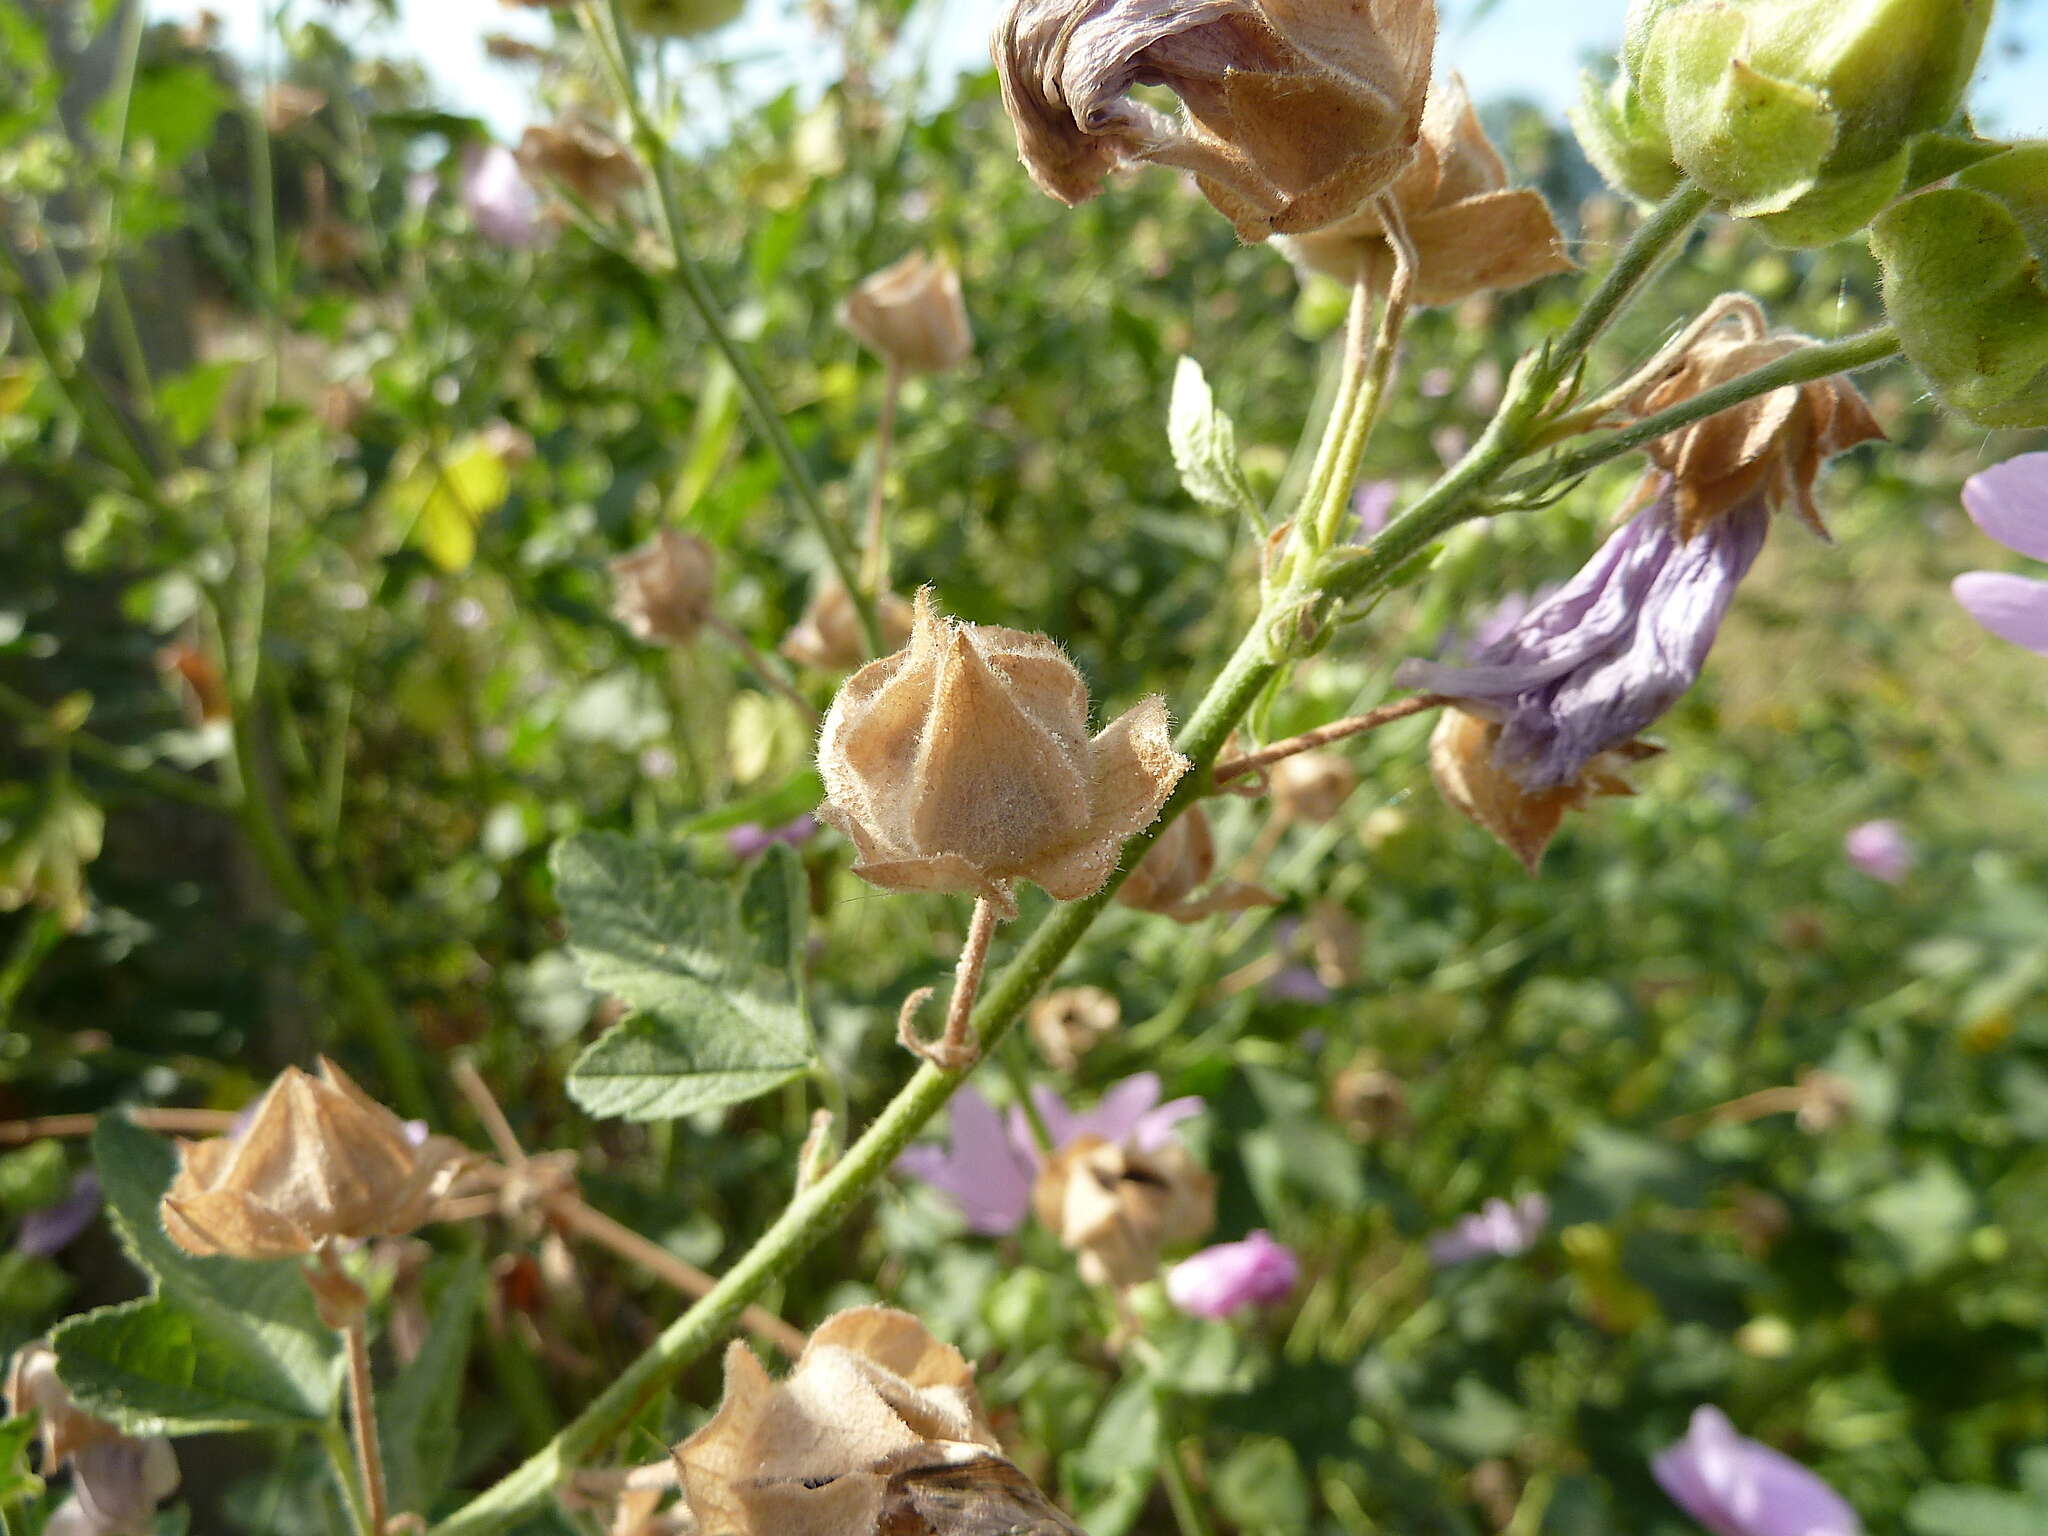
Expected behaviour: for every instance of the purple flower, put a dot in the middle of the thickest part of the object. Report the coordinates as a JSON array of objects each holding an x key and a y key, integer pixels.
[
  {"x": 115, "y": 1488},
  {"x": 54, "y": 1228},
  {"x": 1881, "y": 850},
  {"x": 1736, "y": 1487},
  {"x": 991, "y": 1161},
  {"x": 1496, "y": 1230},
  {"x": 1616, "y": 647},
  {"x": 2010, "y": 503},
  {"x": 750, "y": 839},
  {"x": 985, "y": 1171},
  {"x": 499, "y": 199},
  {"x": 1229, "y": 1277},
  {"x": 1295, "y": 984}
]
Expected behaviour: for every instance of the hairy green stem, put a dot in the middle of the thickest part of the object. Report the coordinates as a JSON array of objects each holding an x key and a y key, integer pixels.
[{"x": 1661, "y": 236}]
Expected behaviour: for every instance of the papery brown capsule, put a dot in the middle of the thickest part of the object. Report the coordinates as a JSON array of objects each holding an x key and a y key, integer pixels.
[
  {"x": 828, "y": 637},
  {"x": 285, "y": 106},
  {"x": 587, "y": 161},
  {"x": 963, "y": 763},
  {"x": 1311, "y": 786},
  {"x": 876, "y": 1432},
  {"x": 1462, "y": 761},
  {"x": 663, "y": 590},
  {"x": 63, "y": 1428},
  {"x": 1774, "y": 444},
  {"x": 1170, "y": 879},
  {"x": 911, "y": 313},
  {"x": 319, "y": 1159},
  {"x": 1470, "y": 230},
  {"x": 1065, "y": 1025},
  {"x": 1296, "y": 111},
  {"x": 1117, "y": 1208}
]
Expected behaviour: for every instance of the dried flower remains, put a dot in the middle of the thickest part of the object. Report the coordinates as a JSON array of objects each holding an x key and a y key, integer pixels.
[
  {"x": 1294, "y": 113},
  {"x": 663, "y": 590},
  {"x": 911, "y": 314},
  {"x": 876, "y": 1432},
  {"x": 963, "y": 763},
  {"x": 318, "y": 1160},
  {"x": 1117, "y": 1206}
]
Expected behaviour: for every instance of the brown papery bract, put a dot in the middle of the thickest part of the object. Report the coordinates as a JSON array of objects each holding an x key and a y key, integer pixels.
[
  {"x": 1068, "y": 1023},
  {"x": 1773, "y": 445},
  {"x": 1461, "y": 759},
  {"x": 1311, "y": 786},
  {"x": 876, "y": 1432},
  {"x": 963, "y": 763},
  {"x": 1296, "y": 111},
  {"x": 1471, "y": 232},
  {"x": 912, "y": 314},
  {"x": 1117, "y": 1208},
  {"x": 318, "y": 1160},
  {"x": 585, "y": 160},
  {"x": 62, "y": 1426},
  {"x": 1170, "y": 879}
]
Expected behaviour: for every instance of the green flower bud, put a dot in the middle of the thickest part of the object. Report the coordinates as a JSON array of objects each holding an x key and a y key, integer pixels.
[
  {"x": 1796, "y": 113},
  {"x": 1966, "y": 286}
]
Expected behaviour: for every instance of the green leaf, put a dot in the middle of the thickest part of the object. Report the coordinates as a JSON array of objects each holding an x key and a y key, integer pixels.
[
  {"x": 1957, "y": 1511},
  {"x": 1204, "y": 442},
  {"x": 175, "y": 108},
  {"x": 221, "y": 1343},
  {"x": 420, "y": 1411},
  {"x": 16, "y": 1481},
  {"x": 190, "y": 401},
  {"x": 714, "y": 972},
  {"x": 158, "y": 1367},
  {"x": 441, "y": 498},
  {"x": 1260, "y": 1487},
  {"x": 33, "y": 1176}
]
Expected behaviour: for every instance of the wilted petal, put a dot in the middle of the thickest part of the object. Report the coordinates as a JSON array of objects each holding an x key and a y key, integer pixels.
[
  {"x": 2014, "y": 608},
  {"x": 2010, "y": 503},
  {"x": 1613, "y": 650}
]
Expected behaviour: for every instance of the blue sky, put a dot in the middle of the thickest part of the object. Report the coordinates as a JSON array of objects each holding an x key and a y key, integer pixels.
[{"x": 1532, "y": 48}]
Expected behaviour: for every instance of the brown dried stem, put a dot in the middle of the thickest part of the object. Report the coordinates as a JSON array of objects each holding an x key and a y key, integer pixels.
[
  {"x": 1308, "y": 741},
  {"x": 569, "y": 1209},
  {"x": 957, "y": 1049},
  {"x": 171, "y": 1122},
  {"x": 362, "y": 1407}
]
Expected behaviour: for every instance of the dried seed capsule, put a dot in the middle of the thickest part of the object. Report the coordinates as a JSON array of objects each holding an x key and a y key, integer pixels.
[
  {"x": 911, "y": 314},
  {"x": 1117, "y": 1207},
  {"x": 1066, "y": 1024},
  {"x": 828, "y": 637},
  {"x": 876, "y": 1430},
  {"x": 962, "y": 763},
  {"x": 319, "y": 1159},
  {"x": 663, "y": 589},
  {"x": 1311, "y": 786},
  {"x": 1169, "y": 880},
  {"x": 586, "y": 160}
]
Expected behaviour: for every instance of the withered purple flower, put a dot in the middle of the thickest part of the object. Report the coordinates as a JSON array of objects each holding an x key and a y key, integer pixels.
[{"x": 1615, "y": 648}]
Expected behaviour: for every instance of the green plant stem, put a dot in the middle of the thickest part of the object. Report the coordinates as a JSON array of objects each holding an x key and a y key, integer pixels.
[
  {"x": 341, "y": 1459},
  {"x": 601, "y": 21},
  {"x": 1659, "y": 238},
  {"x": 817, "y": 1211},
  {"x": 389, "y": 1039},
  {"x": 1188, "y": 1513},
  {"x": 1850, "y": 355},
  {"x": 173, "y": 786}
]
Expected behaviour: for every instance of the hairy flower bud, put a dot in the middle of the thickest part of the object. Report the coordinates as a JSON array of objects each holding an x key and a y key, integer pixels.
[
  {"x": 589, "y": 162},
  {"x": 1311, "y": 786},
  {"x": 1966, "y": 287},
  {"x": 1117, "y": 1207},
  {"x": 1797, "y": 113},
  {"x": 1772, "y": 445},
  {"x": 963, "y": 763},
  {"x": 828, "y": 637},
  {"x": 1470, "y": 231},
  {"x": 1065, "y": 1025},
  {"x": 319, "y": 1159},
  {"x": 1464, "y": 761},
  {"x": 1296, "y": 111},
  {"x": 876, "y": 1430},
  {"x": 1169, "y": 880},
  {"x": 911, "y": 314},
  {"x": 662, "y": 591}
]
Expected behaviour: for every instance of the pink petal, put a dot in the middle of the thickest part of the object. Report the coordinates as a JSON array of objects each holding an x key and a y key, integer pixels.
[
  {"x": 2010, "y": 503},
  {"x": 2012, "y": 607}
]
